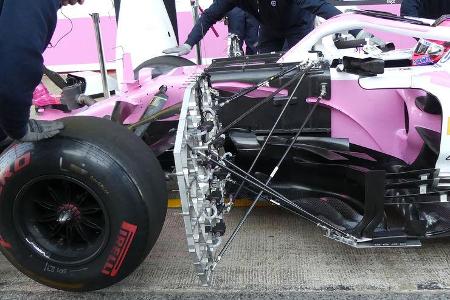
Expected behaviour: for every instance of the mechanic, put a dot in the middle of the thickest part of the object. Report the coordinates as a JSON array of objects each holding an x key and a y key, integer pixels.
[
  {"x": 246, "y": 27},
  {"x": 26, "y": 27},
  {"x": 282, "y": 22},
  {"x": 428, "y": 9}
]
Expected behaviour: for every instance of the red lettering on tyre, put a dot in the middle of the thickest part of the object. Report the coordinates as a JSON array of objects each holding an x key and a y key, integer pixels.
[
  {"x": 4, "y": 243},
  {"x": 22, "y": 162},
  {"x": 19, "y": 164},
  {"x": 120, "y": 250}
]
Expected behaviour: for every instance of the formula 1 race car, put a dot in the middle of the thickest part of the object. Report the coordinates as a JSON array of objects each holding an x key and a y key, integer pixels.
[{"x": 355, "y": 141}]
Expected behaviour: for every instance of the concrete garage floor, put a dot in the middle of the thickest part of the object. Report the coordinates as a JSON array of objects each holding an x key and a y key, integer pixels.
[{"x": 276, "y": 255}]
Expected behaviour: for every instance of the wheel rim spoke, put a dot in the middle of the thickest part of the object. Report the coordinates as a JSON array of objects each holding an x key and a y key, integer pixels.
[
  {"x": 79, "y": 199},
  {"x": 91, "y": 224},
  {"x": 90, "y": 210},
  {"x": 56, "y": 230},
  {"x": 67, "y": 191},
  {"x": 63, "y": 217},
  {"x": 82, "y": 233},
  {"x": 69, "y": 235},
  {"x": 54, "y": 195},
  {"x": 48, "y": 218},
  {"x": 45, "y": 204}
]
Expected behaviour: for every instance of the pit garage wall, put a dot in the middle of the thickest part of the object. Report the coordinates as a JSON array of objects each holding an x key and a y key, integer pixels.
[{"x": 76, "y": 49}]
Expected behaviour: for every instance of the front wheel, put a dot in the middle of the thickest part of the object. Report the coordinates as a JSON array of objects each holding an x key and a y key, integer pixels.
[{"x": 81, "y": 211}]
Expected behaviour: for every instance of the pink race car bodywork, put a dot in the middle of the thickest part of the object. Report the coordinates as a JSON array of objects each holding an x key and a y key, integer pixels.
[{"x": 371, "y": 118}]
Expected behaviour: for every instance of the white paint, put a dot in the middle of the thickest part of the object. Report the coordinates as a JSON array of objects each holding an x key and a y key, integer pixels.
[
  {"x": 344, "y": 23},
  {"x": 402, "y": 80},
  {"x": 81, "y": 67},
  {"x": 144, "y": 31}
]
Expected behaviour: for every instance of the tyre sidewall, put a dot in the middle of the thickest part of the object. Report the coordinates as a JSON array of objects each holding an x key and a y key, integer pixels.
[{"x": 118, "y": 193}]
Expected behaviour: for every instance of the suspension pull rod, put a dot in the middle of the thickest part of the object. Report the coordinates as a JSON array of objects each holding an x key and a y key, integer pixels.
[
  {"x": 238, "y": 172},
  {"x": 272, "y": 175},
  {"x": 255, "y": 160},
  {"x": 252, "y": 109}
]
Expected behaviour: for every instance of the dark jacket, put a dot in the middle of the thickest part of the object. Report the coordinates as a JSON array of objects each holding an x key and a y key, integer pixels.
[
  {"x": 429, "y": 9},
  {"x": 279, "y": 15},
  {"x": 26, "y": 27}
]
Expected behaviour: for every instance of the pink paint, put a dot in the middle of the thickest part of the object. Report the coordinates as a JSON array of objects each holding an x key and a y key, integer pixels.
[
  {"x": 42, "y": 97},
  {"x": 350, "y": 21},
  {"x": 439, "y": 78},
  {"x": 137, "y": 97},
  {"x": 370, "y": 118},
  {"x": 128, "y": 74},
  {"x": 401, "y": 42},
  {"x": 79, "y": 46},
  {"x": 375, "y": 119}
]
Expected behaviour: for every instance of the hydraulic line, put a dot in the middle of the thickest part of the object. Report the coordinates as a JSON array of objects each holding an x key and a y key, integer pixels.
[{"x": 273, "y": 128}]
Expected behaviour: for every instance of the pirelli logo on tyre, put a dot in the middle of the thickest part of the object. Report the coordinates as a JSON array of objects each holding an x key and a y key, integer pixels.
[
  {"x": 4, "y": 243},
  {"x": 19, "y": 164},
  {"x": 120, "y": 250}
]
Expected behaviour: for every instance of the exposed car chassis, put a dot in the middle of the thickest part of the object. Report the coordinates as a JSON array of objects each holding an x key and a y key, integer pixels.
[{"x": 208, "y": 176}]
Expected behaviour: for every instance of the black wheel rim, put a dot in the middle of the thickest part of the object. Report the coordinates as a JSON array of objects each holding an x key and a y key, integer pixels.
[{"x": 61, "y": 219}]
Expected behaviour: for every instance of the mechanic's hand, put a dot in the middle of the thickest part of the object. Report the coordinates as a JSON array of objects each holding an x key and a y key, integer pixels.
[
  {"x": 179, "y": 51},
  {"x": 362, "y": 35},
  {"x": 71, "y": 2},
  {"x": 41, "y": 130}
]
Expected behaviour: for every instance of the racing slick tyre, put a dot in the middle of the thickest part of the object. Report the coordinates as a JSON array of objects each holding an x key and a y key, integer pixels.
[
  {"x": 82, "y": 210},
  {"x": 163, "y": 65}
]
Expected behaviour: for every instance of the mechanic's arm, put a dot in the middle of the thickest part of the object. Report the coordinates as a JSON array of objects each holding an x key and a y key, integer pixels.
[
  {"x": 210, "y": 16},
  {"x": 319, "y": 8},
  {"x": 326, "y": 10},
  {"x": 410, "y": 8},
  {"x": 26, "y": 27}
]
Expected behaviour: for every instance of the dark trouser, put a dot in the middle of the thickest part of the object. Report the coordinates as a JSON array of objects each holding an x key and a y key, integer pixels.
[
  {"x": 280, "y": 40},
  {"x": 26, "y": 27},
  {"x": 246, "y": 27}
]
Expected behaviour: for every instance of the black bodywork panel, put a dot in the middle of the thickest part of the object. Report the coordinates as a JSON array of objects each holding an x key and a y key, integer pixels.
[{"x": 254, "y": 69}]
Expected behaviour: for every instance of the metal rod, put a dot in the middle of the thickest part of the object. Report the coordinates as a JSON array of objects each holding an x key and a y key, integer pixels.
[
  {"x": 265, "y": 82},
  {"x": 272, "y": 129},
  {"x": 252, "y": 109},
  {"x": 271, "y": 176},
  {"x": 101, "y": 54},
  {"x": 165, "y": 113},
  {"x": 236, "y": 171},
  {"x": 195, "y": 6}
]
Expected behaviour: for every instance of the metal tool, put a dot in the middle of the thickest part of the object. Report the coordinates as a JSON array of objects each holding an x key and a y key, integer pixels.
[{"x": 101, "y": 55}]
